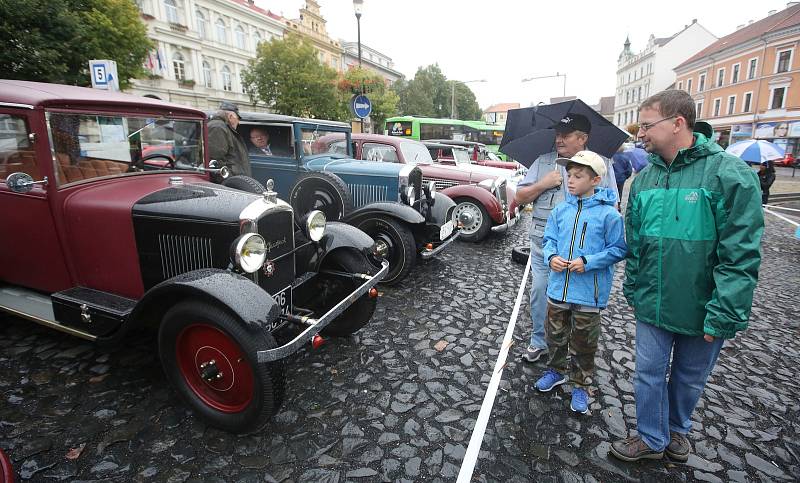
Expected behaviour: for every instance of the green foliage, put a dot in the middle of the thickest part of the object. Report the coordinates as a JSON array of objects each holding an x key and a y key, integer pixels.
[
  {"x": 384, "y": 99},
  {"x": 429, "y": 94},
  {"x": 287, "y": 75},
  {"x": 53, "y": 41}
]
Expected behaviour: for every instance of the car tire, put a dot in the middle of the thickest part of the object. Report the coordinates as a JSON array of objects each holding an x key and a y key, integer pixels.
[
  {"x": 247, "y": 393},
  {"x": 335, "y": 290},
  {"x": 401, "y": 248},
  {"x": 244, "y": 183},
  {"x": 477, "y": 229},
  {"x": 321, "y": 191},
  {"x": 521, "y": 253}
]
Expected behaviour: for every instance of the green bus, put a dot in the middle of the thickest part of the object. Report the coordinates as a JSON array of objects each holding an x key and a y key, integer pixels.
[{"x": 423, "y": 128}]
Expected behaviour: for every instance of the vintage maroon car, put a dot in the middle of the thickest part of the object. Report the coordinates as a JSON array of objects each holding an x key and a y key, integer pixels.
[
  {"x": 96, "y": 243},
  {"x": 478, "y": 154},
  {"x": 484, "y": 202}
]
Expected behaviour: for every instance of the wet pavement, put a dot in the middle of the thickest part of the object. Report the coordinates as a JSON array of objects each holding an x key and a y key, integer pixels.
[{"x": 397, "y": 402}]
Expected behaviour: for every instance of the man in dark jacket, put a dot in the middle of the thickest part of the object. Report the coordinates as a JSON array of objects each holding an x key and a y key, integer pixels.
[
  {"x": 224, "y": 143},
  {"x": 693, "y": 226},
  {"x": 622, "y": 169}
]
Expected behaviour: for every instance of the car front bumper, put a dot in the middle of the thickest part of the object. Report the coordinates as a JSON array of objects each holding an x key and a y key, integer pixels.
[
  {"x": 425, "y": 253},
  {"x": 511, "y": 222}
]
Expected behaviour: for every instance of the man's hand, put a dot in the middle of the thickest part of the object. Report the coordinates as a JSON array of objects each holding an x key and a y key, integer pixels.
[
  {"x": 577, "y": 265},
  {"x": 552, "y": 179},
  {"x": 708, "y": 338},
  {"x": 558, "y": 264}
]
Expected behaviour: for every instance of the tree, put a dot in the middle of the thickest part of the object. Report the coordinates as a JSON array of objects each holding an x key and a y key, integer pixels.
[
  {"x": 429, "y": 94},
  {"x": 287, "y": 75},
  {"x": 51, "y": 41},
  {"x": 384, "y": 99}
]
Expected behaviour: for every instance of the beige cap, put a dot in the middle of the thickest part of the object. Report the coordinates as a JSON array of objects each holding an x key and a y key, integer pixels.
[{"x": 586, "y": 158}]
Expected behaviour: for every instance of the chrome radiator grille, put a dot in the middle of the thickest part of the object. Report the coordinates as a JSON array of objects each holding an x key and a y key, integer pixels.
[
  {"x": 440, "y": 183},
  {"x": 181, "y": 254},
  {"x": 364, "y": 194}
]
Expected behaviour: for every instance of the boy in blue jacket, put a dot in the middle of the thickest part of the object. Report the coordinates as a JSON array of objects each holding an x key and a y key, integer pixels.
[{"x": 582, "y": 241}]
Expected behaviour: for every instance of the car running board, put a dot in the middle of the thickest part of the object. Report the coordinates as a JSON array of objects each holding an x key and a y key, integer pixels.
[{"x": 34, "y": 306}]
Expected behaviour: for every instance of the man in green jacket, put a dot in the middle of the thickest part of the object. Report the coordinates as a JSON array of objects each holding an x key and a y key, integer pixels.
[{"x": 693, "y": 227}]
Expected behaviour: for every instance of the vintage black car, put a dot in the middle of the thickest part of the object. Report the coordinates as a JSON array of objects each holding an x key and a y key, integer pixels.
[{"x": 97, "y": 243}]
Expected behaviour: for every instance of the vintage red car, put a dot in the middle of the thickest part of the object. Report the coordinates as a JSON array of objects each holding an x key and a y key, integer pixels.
[
  {"x": 478, "y": 154},
  {"x": 96, "y": 243},
  {"x": 484, "y": 202}
]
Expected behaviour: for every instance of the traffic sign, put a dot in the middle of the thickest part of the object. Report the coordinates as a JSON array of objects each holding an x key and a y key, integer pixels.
[
  {"x": 104, "y": 74},
  {"x": 361, "y": 106}
]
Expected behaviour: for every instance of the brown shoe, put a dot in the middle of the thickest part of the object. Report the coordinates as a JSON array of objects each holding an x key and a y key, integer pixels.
[
  {"x": 634, "y": 449},
  {"x": 679, "y": 447}
]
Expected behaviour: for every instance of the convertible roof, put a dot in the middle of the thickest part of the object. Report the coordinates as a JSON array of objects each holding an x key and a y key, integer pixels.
[
  {"x": 268, "y": 117},
  {"x": 457, "y": 142},
  {"x": 41, "y": 94}
]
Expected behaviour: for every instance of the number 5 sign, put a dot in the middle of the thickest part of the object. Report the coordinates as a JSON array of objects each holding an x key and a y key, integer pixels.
[{"x": 104, "y": 74}]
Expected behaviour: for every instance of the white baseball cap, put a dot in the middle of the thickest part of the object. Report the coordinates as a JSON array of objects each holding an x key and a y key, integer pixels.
[{"x": 586, "y": 158}]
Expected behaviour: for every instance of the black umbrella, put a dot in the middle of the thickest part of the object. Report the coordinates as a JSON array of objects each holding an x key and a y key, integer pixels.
[{"x": 529, "y": 132}]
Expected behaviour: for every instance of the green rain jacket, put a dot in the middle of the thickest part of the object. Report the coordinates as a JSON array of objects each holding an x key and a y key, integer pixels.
[{"x": 694, "y": 233}]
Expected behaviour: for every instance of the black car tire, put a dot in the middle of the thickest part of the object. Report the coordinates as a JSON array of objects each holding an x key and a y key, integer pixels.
[
  {"x": 521, "y": 253},
  {"x": 359, "y": 312},
  {"x": 483, "y": 223},
  {"x": 321, "y": 191},
  {"x": 244, "y": 183},
  {"x": 402, "y": 248},
  {"x": 192, "y": 332}
]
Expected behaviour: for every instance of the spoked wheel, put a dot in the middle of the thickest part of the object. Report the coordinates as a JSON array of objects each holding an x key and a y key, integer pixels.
[
  {"x": 474, "y": 218},
  {"x": 321, "y": 191},
  {"x": 394, "y": 239},
  {"x": 210, "y": 358},
  {"x": 332, "y": 290}
]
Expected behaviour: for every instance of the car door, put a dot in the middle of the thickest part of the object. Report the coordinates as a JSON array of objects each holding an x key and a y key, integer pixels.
[
  {"x": 281, "y": 165},
  {"x": 30, "y": 251}
]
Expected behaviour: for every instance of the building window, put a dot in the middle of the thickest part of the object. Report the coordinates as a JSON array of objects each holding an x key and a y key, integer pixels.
[
  {"x": 748, "y": 96},
  {"x": 202, "y": 24},
  {"x": 241, "y": 82},
  {"x": 784, "y": 61},
  {"x": 701, "y": 83},
  {"x": 626, "y": 118},
  {"x": 680, "y": 85},
  {"x": 777, "y": 98},
  {"x": 699, "y": 109},
  {"x": 172, "y": 11},
  {"x": 222, "y": 31},
  {"x": 640, "y": 93},
  {"x": 717, "y": 104},
  {"x": 256, "y": 40},
  {"x": 731, "y": 104},
  {"x": 627, "y": 97},
  {"x": 735, "y": 74},
  {"x": 207, "y": 75},
  {"x": 751, "y": 68},
  {"x": 227, "y": 84},
  {"x": 179, "y": 67},
  {"x": 720, "y": 77},
  {"x": 241, "y": 39},
  {"x": 689, "y": 86},
  {"x": 334, "y": 63}
]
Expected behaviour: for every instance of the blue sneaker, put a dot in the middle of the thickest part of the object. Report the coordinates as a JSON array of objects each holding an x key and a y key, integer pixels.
[
  {"x": 580, "y": 401},
  {"x": 549, "y": 380}
]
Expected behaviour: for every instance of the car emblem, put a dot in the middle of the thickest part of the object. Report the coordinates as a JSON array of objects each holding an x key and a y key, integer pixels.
[{"x": 269, "y": 268}]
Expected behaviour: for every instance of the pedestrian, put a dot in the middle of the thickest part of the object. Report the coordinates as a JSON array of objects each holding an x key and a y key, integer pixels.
[
  {"x": 543, "y": 187},
  {"x": 622, "y": 168},
  {"x": 224, "y": 143},
  {"x": 766, "y": 176},
  {"x": 693, "y": 227},
  {"x": 582, "y": 241}
]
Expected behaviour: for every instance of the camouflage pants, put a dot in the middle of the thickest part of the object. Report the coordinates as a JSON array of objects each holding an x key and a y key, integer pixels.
[{"x": 576, "y": 332}]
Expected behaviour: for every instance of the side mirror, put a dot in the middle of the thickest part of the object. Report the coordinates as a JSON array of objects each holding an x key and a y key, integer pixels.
[{"x": 22, "y": 182}]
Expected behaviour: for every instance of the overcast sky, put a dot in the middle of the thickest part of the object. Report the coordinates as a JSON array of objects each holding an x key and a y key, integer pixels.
[{"x": 504, "y": 41}]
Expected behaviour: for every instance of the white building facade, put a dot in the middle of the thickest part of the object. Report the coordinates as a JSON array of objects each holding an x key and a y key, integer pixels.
[
  {"x": 202, "y": 48},
  {"x": 651, "y": 70},
  {"x": 370, "y": 59}
]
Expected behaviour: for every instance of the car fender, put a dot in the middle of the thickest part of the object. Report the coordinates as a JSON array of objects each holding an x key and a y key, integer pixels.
[
  {"x": 341, "y": 236},
  {"x": 482, "y": 195},
  {"x": 440, "y": 211},
  {"x": 400, "y": 211},
  {"x": 249, "y": 302}
]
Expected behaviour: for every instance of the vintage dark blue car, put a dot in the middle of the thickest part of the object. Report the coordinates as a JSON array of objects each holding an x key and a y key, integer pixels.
[{"x": 388, "y": 201}]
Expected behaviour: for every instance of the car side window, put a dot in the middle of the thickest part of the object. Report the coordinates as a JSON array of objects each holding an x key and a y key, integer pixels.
[
  {"x": 379, "y": 152},
  {"x": 16, "y": 149},
  {"x": 268, "y": 140},
  {"x": 338, "y": 147}
]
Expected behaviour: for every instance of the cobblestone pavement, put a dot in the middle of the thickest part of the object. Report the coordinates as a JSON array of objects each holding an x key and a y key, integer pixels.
[{"x": 399, "y": 400}]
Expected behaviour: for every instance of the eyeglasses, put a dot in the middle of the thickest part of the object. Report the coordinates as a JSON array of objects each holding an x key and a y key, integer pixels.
[{"x": 646, "y": 126}]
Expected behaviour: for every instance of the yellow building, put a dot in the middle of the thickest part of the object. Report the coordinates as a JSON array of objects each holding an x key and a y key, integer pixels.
[{"x": 311, "y": 27}]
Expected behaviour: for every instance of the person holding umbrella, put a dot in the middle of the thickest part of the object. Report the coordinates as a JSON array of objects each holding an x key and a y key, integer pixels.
[{"x": 543, "y": 186}]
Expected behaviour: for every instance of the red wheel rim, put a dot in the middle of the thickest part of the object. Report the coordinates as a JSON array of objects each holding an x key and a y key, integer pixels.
[
  {"x": 6, "y": 473},
  {"x": 205, "y": 350}
]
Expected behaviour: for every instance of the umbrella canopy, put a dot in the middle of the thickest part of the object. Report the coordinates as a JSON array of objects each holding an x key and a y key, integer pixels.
[
  {"x": 529, "y": 132},
  {"x": 756, "y": 151},
  {"x": 638, "y": 158}
]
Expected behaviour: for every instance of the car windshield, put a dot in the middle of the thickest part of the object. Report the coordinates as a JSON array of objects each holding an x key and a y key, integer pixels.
[
  {"x": 461, "y": 156},
  {"x": 122, "y": 144},
  {"x": 415, "y": 153},
  {"x": 492, "y": 157},
  {"x": 311, "y": 136}
]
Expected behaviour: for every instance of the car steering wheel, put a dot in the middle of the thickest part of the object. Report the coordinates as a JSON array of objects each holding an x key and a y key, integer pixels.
[{"x": 170, "y": 161}]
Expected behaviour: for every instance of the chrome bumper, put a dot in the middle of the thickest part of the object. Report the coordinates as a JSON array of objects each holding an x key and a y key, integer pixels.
[
  {"x": 505, "y": 226},
  {"x": 318, "y": 324},
  {"x": 430, "y": 253}
]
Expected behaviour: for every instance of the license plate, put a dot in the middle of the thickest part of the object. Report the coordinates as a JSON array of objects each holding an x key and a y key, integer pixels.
[
  {"x": 284, "y": 299},
  {"x": 446, "y": 230}
]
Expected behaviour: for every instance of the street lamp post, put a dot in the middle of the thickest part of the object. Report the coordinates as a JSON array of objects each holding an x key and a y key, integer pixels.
[
  {"x": 453, "y": 95},
  {"x": 357, "y": 7},
  {"x": 550, "y": 77}
]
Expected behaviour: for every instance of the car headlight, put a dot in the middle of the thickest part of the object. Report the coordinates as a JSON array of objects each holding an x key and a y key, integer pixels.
[
  {"x": 314, "y": 224},
  {"x": 249, "y": 252},
  {"x": 411, "y": 195},
  {"x": 489, "y": 184}
]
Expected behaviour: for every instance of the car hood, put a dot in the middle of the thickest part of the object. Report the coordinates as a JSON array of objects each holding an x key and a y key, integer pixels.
[
  {"x": 354, "y": 166},
  {"x": 198, "y": 202}
]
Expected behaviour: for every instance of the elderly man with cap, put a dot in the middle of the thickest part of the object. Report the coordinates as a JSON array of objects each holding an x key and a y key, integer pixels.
[
  {"x": 543, "y": 186},
  {"x": 224, "y": 143}
]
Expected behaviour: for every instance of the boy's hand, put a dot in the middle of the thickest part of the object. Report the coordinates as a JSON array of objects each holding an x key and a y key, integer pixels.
[
  {"x": 558, "y": 264},
  {"x": 577, "y": 265}
]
